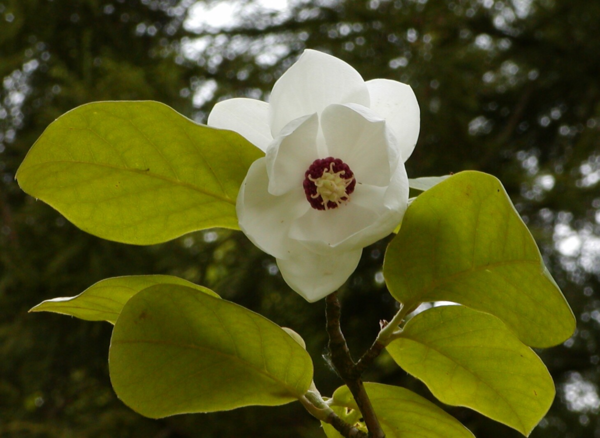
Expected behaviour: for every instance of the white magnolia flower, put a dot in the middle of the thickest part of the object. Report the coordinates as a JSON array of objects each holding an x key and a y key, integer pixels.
[{"x": 333, "y": 179}]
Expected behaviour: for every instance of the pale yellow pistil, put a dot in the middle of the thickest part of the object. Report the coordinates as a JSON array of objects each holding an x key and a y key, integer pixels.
[{"x": 331, "y": 187}]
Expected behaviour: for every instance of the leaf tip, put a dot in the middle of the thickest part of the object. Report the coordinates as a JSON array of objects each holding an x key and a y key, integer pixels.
[{"x": 35, "y": 309}]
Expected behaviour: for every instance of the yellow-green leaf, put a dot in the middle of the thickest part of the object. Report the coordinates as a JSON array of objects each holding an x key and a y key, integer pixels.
[
  {"x": 470, "y": 358},
  {"x": 401, "y": 413},
  {"x": 463, "y": 241},
  {"x": 176, "y": 350},
  {"x": 104, "y": 300},
  {"x": 137, "y": 172}
]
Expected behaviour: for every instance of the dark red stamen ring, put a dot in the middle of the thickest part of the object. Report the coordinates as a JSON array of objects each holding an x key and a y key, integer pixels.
[{"x": 316, "y": 170}]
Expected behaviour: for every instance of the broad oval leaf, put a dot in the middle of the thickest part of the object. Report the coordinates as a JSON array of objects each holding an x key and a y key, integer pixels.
[
  {"x": 470, "y": 358},
  {"x": 104, "y": 300},
  {"x": 401, "y": 413},
  {"x": 463, "y": 241},
  {"x": 176, "y": 350},
  {"x": 137, "y": 172}
]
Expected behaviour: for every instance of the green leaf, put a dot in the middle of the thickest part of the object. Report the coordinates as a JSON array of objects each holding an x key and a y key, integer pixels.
[
  {"x": 463, "y": 241},
  {"x": 137, "y": 172},
  {"x": 401, "y": 413},
  {"x": 104, "y": 300},
  {"x": 470, "y": 358},
  {"x": 426, "y": 182},
  {"x": 176, "y": 350}
]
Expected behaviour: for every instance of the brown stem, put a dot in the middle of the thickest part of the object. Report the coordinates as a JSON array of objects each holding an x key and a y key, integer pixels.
[
  {"x": 338, "y": 349},
  {"x": 346, "y": 368}
]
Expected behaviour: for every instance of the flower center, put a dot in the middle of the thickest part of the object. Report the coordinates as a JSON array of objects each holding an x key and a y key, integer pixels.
[{"x": 328, "y": 183}]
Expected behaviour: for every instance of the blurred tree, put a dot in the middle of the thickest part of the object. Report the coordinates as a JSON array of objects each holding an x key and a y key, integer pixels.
[{"x": 507, "y": 87}]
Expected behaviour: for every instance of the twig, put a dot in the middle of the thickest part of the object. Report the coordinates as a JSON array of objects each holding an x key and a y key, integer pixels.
[
  {"x": 370, "y": 355},
  {"x": 386, "y": 335},
  {"x": 347, "y": 369},
  {"x": 340, "y": 354}
]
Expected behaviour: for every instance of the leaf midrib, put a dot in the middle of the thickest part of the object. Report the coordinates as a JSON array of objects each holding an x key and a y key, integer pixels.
[
  {"x": 184, "y": 184},
  {"x": 202, "y": 348}
]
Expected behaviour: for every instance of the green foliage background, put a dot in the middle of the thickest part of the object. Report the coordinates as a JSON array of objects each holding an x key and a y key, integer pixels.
[{"x": 509, "y": 91}]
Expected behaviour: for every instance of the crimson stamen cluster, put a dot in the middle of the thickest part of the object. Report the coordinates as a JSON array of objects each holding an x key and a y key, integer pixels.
[{"x": 316, "y": 170}]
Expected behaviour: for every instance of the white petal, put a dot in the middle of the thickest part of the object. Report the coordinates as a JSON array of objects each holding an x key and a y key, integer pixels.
[
  {"x": 291, "y": 154},
  {"x": 391, "y": 204},
  {"x": 361, "y": 139},
  {"x": 265, "y": 218},
  {"x": 315, "y": 276},
  {"x": 396, "y": 196},
  {"x": 313, "y": 82},
  {"x": 248, "y": 117},
  {"x": 397, "y": 104},
  {"x": 322, "y": 230}
]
